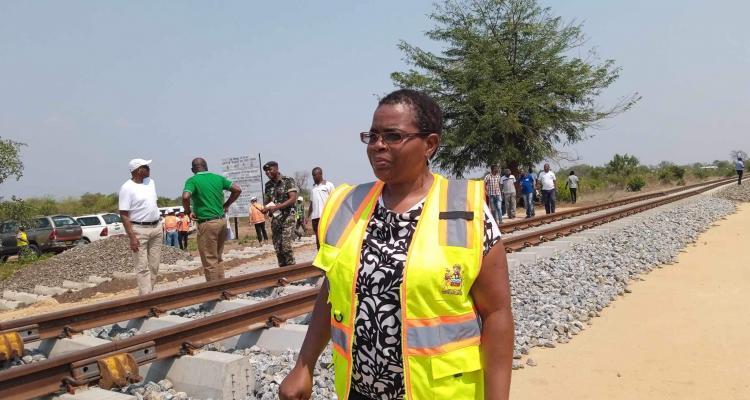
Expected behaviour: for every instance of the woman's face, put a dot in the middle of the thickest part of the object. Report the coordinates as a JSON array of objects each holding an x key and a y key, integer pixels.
[{"x": 405, "y": 161}]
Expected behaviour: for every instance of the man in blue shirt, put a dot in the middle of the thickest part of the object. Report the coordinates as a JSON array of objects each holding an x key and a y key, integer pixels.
[
  {"x": 740, "y": 167},
  {"x": 527, "y": 192}
]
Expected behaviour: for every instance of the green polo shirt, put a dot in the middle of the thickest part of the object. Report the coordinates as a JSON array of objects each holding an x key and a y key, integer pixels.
[{"x": 207, "y": 194}]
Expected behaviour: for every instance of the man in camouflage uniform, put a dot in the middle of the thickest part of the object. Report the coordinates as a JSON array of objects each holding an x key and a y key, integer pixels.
[{"x": 282, "y": 191}]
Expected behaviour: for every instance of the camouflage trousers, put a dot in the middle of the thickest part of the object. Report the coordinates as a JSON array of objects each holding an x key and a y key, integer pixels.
[{"x": 282, "y": 230}]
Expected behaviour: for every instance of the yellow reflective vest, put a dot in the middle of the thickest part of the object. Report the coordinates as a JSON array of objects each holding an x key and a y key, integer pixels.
[
  {"x": 21, "y": 239},
  {"x": 441, "y": 330}
]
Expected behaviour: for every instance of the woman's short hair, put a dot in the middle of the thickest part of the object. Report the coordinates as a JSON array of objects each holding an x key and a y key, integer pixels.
[{"x": 428, "y": 114}]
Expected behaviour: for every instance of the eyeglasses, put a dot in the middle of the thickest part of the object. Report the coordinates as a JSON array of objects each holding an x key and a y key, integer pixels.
[{"x": 388, "y": 137}]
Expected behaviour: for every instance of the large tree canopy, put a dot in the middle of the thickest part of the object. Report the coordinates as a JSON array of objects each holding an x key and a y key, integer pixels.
[{"x": 509, "y": 82}]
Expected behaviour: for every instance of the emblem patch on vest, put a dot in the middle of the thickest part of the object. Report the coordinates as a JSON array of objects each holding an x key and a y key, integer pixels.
[{"x": 453, "y": 281}]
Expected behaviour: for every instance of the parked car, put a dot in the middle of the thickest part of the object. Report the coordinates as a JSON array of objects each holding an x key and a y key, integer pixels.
[
  {"x": 53, "y": 233},
  {"x": 100, "y": 226}
]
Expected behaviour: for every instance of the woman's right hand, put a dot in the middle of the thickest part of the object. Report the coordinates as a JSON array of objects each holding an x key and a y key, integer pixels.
[{"x": 297, "y": 385}]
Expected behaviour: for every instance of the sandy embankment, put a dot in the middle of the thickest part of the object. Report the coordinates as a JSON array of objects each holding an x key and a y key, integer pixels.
[{"x": 684, "y": 332}]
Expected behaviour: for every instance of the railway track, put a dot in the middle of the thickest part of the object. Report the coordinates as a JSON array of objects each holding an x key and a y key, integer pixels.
[
  {"x": 520, "y": 241},
  {"x": 75, "y": 369},
  {"x": 510, "y": 227}
]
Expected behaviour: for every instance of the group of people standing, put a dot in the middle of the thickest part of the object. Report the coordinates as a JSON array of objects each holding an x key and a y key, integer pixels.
[
  {"x": 176, "y": 229},
  {"x": 501, "y": 192},
  {"x": 202, "y": 200}
]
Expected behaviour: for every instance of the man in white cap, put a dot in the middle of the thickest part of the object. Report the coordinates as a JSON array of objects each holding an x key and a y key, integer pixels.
[{"x": 140, "y": 216}]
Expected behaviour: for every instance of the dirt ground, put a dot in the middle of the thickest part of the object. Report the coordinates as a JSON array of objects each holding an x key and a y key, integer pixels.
[{"x": 681, "y": 334}]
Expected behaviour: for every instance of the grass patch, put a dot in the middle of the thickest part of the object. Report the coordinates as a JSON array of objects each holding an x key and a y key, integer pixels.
[{"x": 10, "y": 267}]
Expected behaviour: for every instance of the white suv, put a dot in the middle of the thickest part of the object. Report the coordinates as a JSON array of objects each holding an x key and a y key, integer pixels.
[{"x": 100, "y": 226}]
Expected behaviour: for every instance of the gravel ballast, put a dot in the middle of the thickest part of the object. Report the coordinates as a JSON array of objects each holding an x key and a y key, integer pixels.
[
  {"x": 101, "y": 258},
  {"x": 740, "y": 193},
  {"x": 553, "y": 299}
]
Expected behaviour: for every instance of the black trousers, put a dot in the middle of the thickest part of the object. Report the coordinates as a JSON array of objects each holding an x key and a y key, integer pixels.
[
  {"x": 573, "y": 194},
  {"x": 549, "y": 199},
  {"x": 260, "y": 232},
  {"x": 739, "y": 176},
  {"x": 315, "y": 229},
  {"x": 182, "y": 239}
]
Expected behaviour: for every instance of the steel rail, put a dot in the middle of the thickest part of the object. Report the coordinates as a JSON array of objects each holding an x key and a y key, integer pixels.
[
  {"x": 514, "y": 226},
  {"x": 65, "y": 322},
  {"x": 518, "y": 242},
  {"x": 73, "y": 369},
  {"x": 80, "y": 367}
]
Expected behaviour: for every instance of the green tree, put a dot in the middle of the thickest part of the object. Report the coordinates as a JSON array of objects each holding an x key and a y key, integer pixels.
[
  {"x": 17, "y": 210},
  {"x": 509, "y": 82},
  {"x": 11, "y": 165},
  {"x": 623, "y": 165},
  {"x": 10, "y": 159}
]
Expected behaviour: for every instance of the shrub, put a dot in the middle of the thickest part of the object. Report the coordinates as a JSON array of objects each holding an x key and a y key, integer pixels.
[
  {"x": 563, "y": 194},
  {"x": 635, "y": 184},
  {"x": 700, "y": 173},
  {"x": 677, "y": 172}
]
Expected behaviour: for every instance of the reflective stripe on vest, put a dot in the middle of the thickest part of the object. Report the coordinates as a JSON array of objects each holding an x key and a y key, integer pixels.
[
  {"x": 433, "y": 336},
  {"x": 350, "y": 207},
  {"x": 339, "y": 338},
  {"x": 455, "y": 214}
]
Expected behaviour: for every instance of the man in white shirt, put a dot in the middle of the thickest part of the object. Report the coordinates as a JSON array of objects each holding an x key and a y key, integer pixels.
[
  {"x": 508, "y": 187},
  {"x": 319, "y": 194},
  {"x": 140, "y": 216},
  {"x": 572, "y": 185},
  {"x": 548, "y": 181},
  {"x": 740, "y": 167}
]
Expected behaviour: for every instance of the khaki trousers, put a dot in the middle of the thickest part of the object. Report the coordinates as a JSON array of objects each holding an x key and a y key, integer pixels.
[
  {"x": 146, "y": 259},
  {"x": 211, "y": 238}
]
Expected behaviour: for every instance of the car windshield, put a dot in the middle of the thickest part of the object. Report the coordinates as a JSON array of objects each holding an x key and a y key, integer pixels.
[
  {"x": 111, "y": 218},
  {"x": 8, "y": 227},
  {"x": 63, "y": 220},
  {"x": 88, "y": 221}
]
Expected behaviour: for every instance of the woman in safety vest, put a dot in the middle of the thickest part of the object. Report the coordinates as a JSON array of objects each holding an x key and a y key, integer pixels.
[{"x": 416, "y": 300}]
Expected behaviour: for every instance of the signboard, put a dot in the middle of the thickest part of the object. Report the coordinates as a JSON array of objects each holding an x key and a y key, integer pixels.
[{"x": 245, "y": 172}]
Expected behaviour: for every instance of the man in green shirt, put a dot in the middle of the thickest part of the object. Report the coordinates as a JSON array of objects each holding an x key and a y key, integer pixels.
[{"x": 206, "y": 190}]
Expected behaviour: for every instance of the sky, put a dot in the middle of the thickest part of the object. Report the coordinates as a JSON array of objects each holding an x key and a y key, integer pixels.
[{"x": 88, "y": 85}]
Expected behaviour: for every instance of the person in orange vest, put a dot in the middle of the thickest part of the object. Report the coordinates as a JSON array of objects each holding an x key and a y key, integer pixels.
[
  {"x": 170, "y": 229},
  {"x": 258, "y": 219},
  {"x": 416, "y": 300},
  {"x": 183, "y": 229}
]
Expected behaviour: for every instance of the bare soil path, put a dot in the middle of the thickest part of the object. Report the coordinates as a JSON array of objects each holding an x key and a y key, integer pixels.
[{"x": 684, "y": 332}]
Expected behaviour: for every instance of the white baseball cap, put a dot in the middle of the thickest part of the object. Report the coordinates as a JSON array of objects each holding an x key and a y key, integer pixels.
[{"x": 137, "y": 163}]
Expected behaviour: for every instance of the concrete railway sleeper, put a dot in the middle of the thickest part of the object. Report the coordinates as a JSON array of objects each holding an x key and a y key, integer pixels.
[
  {"x": 72, "y": 370},
  {"x": 64, "y": 323}
]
